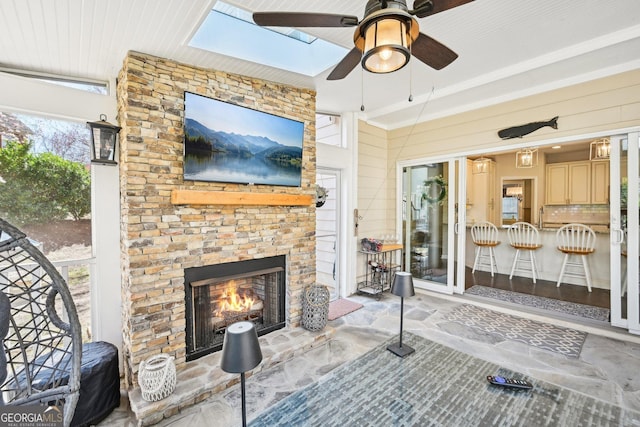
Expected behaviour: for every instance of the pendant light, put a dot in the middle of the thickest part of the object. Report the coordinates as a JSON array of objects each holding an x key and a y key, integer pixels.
[
  {"x": 481, "y": 165},
  {"x": 527, "y": 158},
  {"x": 600, "y": 149}
]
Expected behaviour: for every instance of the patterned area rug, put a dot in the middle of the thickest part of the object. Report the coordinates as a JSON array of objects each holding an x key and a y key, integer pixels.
[
  {"x": 340, "y": 307},
  {"x": 435, "y": 386},
  {"x": 581, "y": 310},
  {"x": 542, "y": 335}
]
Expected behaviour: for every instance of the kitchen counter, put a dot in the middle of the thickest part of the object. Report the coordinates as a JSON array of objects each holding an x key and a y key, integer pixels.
[{"x": 549, "y": 257}]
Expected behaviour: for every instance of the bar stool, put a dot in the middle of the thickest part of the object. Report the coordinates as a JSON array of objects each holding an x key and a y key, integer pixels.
[
  {"x": 485, "y": 237},
  {"x": 524, "y": 237},
  {"x": 576, "y": 240}
]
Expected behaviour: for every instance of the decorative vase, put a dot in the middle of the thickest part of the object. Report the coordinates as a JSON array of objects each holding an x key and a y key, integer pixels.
[
  {"x": 315, "y": 307},
  {"x": 157, "y": 377}
]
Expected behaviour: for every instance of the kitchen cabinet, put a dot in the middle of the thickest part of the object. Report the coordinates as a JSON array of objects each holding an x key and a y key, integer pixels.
[
  {"x": 483, "y": 193},
  {"x": 569, "y": 183},
  {"x": 600, "y": 183},
  {"x": 469, "y": 182}
]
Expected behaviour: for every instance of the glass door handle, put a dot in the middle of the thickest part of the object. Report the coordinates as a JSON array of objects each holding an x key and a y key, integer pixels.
[{"x": 620, "y": 235}]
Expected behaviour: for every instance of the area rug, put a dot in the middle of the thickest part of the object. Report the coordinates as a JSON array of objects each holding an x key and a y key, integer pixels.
[
  {"x": 340, "y": 307},
  {"x": 571, "y": 308},
  {"x": 538, "y": 334},
  {"x": 435, "y": 386}
]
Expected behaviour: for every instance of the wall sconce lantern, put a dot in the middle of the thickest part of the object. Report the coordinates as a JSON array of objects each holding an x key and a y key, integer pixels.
[
  {"x": 527, "y": 158},
  {"x": 600, "y": 149},
  {"x": 105, "y": 140},
  {"x": 481, "y": 165}
]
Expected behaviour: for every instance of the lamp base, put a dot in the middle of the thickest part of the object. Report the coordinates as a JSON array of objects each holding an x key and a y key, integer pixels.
[{"x": 401, "y": 351}]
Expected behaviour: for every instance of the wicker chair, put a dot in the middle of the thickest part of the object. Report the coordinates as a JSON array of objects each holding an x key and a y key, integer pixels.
[{"x": 41, "y": 358}]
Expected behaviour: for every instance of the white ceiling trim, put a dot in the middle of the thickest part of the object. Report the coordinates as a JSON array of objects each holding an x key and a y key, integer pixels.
[
  {"x": 522, "y": 67},
  {"x": 511, "y": 96}
]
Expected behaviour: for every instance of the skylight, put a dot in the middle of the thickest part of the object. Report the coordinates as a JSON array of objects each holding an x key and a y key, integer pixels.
[{"x": 229, "y": 30}]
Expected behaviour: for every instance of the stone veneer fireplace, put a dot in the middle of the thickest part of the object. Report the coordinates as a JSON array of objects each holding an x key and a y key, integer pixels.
[
  {"x": 161, "y": 238},
  {"x": 219, "y": 295}
]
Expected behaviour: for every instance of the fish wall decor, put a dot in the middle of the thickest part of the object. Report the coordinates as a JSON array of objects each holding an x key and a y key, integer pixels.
[{"x": 522, "y": 130}]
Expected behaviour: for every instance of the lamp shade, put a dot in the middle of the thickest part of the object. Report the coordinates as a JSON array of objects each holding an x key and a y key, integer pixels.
[
  {"x": 403, "y": 284},
  {"x": 240, "y": 349}
]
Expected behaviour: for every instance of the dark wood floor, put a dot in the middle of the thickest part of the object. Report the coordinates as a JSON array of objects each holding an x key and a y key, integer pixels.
[{"x": 543, "y": 288}]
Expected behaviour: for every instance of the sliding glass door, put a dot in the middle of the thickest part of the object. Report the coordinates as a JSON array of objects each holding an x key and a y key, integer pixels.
[
  {"x": 625, "y": 224},
  {"x": 428, "y": 220}
]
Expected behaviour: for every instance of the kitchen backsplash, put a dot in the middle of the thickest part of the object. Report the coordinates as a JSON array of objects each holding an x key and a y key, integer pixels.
[{"x": 584, "y": 214}]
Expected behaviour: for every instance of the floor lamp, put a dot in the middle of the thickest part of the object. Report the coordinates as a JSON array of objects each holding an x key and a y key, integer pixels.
[
  {"x": 240, "y": 353},
  {"x": 403, "y": 287}
]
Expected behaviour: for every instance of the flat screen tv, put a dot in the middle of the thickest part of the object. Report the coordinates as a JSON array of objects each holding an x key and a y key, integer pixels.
[{"x": 224, "y": 142}]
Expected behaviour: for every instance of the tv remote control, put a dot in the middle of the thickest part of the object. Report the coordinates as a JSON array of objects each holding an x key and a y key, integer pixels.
[{"x": 509, "y": 382}]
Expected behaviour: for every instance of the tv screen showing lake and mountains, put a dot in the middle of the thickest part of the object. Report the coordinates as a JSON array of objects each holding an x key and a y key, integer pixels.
[{"x": 228, "y": 143}]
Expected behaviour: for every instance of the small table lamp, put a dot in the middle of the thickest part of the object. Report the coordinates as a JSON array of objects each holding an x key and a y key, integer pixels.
[
  {"x": 240, "y": 353},
  {"x": 403, "y": 287}
]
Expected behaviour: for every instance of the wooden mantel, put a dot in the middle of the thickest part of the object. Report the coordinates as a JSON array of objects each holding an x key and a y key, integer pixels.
[{"x": 200, "y": 197}]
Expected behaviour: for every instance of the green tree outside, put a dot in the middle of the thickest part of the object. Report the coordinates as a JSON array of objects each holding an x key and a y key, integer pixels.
[{"x": 43, "y": 187}]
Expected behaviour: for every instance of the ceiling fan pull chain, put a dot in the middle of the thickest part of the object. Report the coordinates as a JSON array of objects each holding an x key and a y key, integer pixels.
[
  {"x": 410, "y": 65},
  {"x": 362, "y": 88}
]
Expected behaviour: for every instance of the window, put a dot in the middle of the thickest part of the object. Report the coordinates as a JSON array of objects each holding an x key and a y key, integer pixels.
[
  {"x": 45, "y": 191},
  {"x": 329, "y": 129}
]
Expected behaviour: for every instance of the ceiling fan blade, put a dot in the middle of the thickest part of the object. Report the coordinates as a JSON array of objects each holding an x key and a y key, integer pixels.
[
  {"x": 294, "y": 19},
  {"x": 422, "y": 8},
  {"x": 432, "y": 52},
  {"x": 347, "y": 64}
]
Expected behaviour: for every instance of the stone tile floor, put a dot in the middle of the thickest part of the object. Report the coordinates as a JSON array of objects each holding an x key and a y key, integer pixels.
[{"x": 607, "y": 368}]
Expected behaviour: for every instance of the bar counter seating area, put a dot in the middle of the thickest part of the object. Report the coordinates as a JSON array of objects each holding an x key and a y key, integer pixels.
[{"x": 540, "y": 215}]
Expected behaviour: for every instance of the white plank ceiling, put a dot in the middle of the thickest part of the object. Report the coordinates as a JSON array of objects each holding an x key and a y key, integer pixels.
[{"x": 507, "y": 48}]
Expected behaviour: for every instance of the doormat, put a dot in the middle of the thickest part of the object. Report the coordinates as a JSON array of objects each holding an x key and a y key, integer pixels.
[
  {"x": 538, "y": 334},
  {"x": 564, "y": 307},
  {"x": 435, "y": 386},
  {"x": 340, "y": 307}
]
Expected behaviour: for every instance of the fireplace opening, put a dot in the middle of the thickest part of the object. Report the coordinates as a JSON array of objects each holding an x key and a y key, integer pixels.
[{"x": 222, "y": 294}]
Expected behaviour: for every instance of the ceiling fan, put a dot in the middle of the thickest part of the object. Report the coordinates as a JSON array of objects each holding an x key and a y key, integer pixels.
[{"x": 384, "y": 39}]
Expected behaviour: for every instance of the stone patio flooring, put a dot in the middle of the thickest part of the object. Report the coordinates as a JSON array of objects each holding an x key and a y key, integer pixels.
[{"x": 607, "y": 368}]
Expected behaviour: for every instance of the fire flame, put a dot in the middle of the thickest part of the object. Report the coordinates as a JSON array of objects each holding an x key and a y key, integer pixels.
[{"x": 231, "y": 301}]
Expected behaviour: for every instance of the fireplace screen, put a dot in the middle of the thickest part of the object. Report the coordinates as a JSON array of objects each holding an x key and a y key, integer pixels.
[{"x": 222, "y": 294}]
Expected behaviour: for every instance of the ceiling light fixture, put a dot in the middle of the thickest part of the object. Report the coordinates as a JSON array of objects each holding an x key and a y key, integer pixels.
[
  {"x": 481, "y": 165},
  {"x": 527, "y": 158},
  {"x": 384, "y": 37},
  {"x": 515, "y": 192},
  {"x": 600, "y": 149}
]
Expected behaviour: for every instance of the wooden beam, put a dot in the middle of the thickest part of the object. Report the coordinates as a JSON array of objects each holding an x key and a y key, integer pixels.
[{"x": 198, "y": 197}]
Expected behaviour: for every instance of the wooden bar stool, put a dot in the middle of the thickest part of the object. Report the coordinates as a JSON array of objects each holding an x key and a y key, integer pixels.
[
  {"x": 485, "y": 237},
  {"x": 524, "y": 237},
  {"x": 576, "y": 240}
]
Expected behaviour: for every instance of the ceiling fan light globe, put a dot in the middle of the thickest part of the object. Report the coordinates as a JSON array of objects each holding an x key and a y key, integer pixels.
[
  {"x": 385, "y": 59},
  {"x": 385, "y": 45}
]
